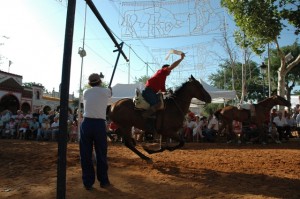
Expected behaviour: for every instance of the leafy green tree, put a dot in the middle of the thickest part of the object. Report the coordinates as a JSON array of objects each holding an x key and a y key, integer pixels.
[
  {"x": 255, "y": 86},
  {"x": 142, "y": 79},
  {"x": 262, "y": 22},
  {"x": 293, "y": 76}
]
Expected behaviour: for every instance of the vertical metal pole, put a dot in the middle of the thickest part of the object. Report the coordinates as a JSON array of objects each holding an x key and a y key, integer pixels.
[
  {"x": 64, "y": 101},
  {"x": 269, "y": 75},
  {"x": 80, "y": 82}
]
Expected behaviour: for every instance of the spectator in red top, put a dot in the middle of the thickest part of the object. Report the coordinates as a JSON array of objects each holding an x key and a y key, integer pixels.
[{"x": 155, "y": 84}]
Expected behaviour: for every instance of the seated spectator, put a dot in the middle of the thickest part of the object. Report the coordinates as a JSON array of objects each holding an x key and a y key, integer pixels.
[
  {"x": 54, "y": 129},
  {"x": 73, "y": 132},
  {"x": 51, "y": 116},
  {"x": 22, "y": 129},
  {"x": 33, "y": 128},
  {"x": 211, "y": 132},
  {"x": 43, "y": 131},
  {"x": 237, "y": 130},
  {"x": 19, "y": 116},
  {"x": 111, "y": 131},
  {"x": 281, "y": 125},
  {"x": 28, "y": 115},
  {"x": 200, "y": 127},
  {"x": 273, "y": 133},
  {"x": 10, "y": 129},
  {"x": 5, "y": 117},
  {"x": 250, "y": 133},
  {"x": 188, "y": 130},
  {"x": 292, "y": 125},
  {"x": 41, "y": 116}
]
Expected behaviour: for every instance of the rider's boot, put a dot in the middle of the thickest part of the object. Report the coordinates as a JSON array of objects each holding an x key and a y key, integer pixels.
[
  {"x": 150, "y": 118},
  {"x": 150, "y": 129}
]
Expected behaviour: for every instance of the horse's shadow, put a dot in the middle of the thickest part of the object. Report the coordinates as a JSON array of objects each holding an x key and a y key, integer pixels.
[{"x": 237, "y": 183}]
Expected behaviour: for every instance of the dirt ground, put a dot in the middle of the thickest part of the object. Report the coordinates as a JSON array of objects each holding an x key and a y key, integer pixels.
[{"x": 28, "y": 170}]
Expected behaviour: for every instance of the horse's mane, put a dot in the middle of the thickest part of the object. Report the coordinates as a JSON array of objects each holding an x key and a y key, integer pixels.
[{"x": 179, "y": 90}]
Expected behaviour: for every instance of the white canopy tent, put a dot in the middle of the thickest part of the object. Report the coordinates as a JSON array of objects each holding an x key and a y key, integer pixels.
[
  {"x": 217, "y": 95},
  {"x": 120, "y": 91}
]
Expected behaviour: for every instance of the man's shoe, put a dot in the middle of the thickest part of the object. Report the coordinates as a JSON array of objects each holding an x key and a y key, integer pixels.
[
  {"x": 105, "y": 185},
  {"x": 88, "y": 188}
]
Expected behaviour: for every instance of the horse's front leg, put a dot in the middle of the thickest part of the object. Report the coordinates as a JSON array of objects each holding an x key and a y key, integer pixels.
[
  {"x": 176, "y": 137},
  {"x": 162, "y": 148}
]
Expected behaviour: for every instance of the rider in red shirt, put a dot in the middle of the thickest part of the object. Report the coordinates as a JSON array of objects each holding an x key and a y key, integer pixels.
[{"x": 155, "y": 84}]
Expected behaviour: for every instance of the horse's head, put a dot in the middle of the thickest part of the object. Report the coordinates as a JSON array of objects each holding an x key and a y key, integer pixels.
[
  {"x": 198, "y": 90},
  {"x": 281, "y": 101}
]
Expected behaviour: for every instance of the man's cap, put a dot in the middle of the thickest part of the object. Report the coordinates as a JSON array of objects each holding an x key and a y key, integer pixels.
[{"x": 94, "y": 78}]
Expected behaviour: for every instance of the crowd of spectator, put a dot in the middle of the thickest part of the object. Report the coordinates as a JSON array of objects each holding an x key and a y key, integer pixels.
[
  {"x": 42, "y": 126},
  {"x": 200, "y": 128},
  {"x": 38, "y": 126},
  {"x": 279, "y": 127}
]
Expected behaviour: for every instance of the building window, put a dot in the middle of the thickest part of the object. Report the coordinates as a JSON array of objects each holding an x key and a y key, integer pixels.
[{"x": 38, "y": 95}]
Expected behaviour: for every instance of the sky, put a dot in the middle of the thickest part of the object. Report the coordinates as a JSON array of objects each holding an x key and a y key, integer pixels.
[{"x": 32, "y": 38}]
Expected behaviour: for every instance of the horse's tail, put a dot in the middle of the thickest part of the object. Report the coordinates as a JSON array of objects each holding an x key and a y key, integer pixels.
[{"x": 217, "y": 113}]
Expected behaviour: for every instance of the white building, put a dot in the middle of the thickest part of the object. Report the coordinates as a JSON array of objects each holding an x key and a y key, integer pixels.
[{"x": 14, "y": 96}]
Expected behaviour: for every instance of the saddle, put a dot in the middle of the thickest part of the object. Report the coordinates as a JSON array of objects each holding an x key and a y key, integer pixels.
[
  {"x": 141, "y": 104},
  {"x": 139, "y": 101}
]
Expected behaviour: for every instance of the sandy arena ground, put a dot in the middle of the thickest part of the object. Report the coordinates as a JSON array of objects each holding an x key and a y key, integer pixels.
[{"x": 28, "y": 170}]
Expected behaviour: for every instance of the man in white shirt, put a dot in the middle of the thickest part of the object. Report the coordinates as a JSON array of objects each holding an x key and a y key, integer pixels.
[
  {"x": 93, "y": 133},
  {"x": 281, "y": 125},
  {"x": 212, "y": 129}
]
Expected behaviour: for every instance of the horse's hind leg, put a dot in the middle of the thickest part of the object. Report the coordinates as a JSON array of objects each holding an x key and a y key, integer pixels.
[
  {"x": 128, "y": 140},
  {"x": 129, "y": 144}
]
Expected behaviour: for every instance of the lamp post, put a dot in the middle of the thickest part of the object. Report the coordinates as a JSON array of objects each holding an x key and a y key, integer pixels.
[
  {"x": 263, "y": 70},
  {"x": 82, "y": 54}
]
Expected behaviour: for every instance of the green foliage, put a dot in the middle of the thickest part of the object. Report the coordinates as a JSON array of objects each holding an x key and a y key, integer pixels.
[
  {"x": 290, "y": 12},
  {"x": 261, "y": 21},
  {"x": 105, "y": 84},
  {"x": 142, "y": 79},
  {"x": 211, "y": 108},
  {"x": 255, "y": 86},
  {"x": 30, "y": 84}
]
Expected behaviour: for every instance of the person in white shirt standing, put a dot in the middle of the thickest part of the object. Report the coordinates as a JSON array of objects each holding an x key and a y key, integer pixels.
[{"x": 93, "y": 133}]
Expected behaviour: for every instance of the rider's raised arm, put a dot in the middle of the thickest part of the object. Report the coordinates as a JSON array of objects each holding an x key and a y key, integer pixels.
[{"x": 176, "y": 63}]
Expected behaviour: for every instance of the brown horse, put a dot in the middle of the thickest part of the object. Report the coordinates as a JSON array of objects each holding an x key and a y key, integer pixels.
[
  {"x": 168, "y": 121},
  {"x": 227, "y": 114}
]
